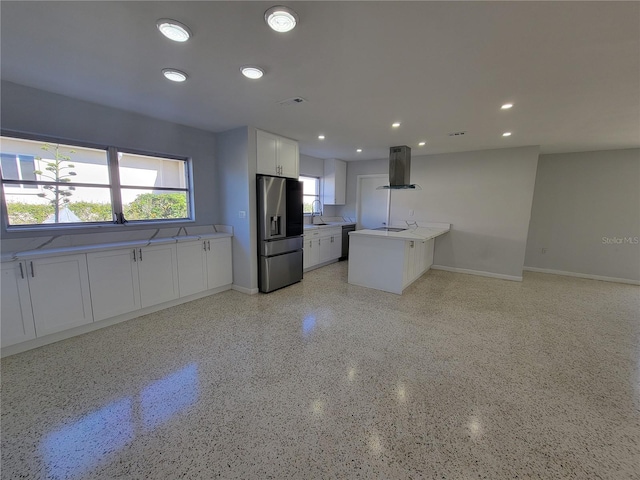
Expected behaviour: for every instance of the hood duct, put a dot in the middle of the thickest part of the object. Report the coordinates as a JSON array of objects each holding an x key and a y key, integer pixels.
[{"x": 400, "y": 169}]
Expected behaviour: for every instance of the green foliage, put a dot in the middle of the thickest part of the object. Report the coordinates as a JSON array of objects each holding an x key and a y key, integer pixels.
[
  {"x": 151, "y": 206},
  {"x": 92, "y": 212},
  {"x": 27, "y": 213},
  {"x": 148, "y": 206},
  {"x": 30, "y": 214}
]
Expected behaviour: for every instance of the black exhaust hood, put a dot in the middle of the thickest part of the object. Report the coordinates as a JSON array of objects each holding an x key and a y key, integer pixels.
[{"x": 400, "y": 170}]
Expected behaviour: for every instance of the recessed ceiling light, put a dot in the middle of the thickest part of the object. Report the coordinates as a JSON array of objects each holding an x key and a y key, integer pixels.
[
  {"x": 174, "y": 75},
  {"x": 359, "y": 150},
  {"x": 281, "y": 19},
  {"x": 395, "y": 125},
  {"x": 506, "y": 106},
  {"x": 252, "y": 72},
  {"x": 173, "y": 30},
  {"x": 422, "y": 144},
  {"x": 320, "y": 137},
  {"x": 506, "y": 134}
]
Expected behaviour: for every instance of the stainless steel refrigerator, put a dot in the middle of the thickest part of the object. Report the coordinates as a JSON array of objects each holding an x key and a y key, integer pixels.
[{"x": 280, "y": 227}]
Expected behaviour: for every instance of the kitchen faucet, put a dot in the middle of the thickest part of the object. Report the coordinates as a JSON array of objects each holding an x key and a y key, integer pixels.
[{"x": 313, "y": 210}]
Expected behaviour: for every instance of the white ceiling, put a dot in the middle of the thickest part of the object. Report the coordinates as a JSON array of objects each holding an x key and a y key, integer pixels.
[{"x": 572, "y": 69}]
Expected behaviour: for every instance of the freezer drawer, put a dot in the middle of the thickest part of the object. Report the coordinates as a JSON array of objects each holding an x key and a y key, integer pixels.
[
  {"x": 277, "y": 247},
  {"x": 280, "y": 271}
]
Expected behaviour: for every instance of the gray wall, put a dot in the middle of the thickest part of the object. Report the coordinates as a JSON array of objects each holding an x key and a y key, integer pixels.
[
  {"x": 34, "y": 111},
  {"x": 236, "y": 168},
  {"x": 579, "y": 199},
  {"x": 311, "y": 166},
  {"x": 485, "y": 195}
]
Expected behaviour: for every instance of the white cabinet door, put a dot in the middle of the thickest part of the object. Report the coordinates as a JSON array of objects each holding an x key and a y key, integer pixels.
[
  {"x": 288, "y": 158},
  {"x": 336, "y": 246},
  {"x": 16, "y": 314},
  {"x": 409, "y": 262},
  {"x": 192, "y": 267},
  {"x": 219, "y": 265},
  {"x": 113, "y": 277},
  {"x": 325, "y": 249},
  {"x": 335, "y": 182},
  {"x": 266, "y": 153},
  {"x": 59, "y": 293},
  {"x": 311, "y": 255},
  {"x": 158, "y": 271}
]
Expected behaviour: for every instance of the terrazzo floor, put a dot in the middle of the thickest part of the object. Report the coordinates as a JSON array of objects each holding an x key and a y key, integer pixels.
[{"x": 462, "y": 377}]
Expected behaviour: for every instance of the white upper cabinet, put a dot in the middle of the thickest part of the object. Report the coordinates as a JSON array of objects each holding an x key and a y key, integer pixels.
[
  {"x": 59, "y": 293},
  {"x": 335, "y": 182},
  {"x": 288, "y": 158},
  {"x": 276, "y": 155},
  {"x": 16, "y": 314}
]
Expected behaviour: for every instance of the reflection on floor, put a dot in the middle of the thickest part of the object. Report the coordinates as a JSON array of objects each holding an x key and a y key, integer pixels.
[{"x": 460, "y": 377}]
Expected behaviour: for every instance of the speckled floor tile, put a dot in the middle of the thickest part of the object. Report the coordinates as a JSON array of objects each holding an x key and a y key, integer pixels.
[{"x": 461, "y": 377}]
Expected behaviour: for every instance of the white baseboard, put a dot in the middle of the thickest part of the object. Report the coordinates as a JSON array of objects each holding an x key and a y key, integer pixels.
[
  {"x": 480, "y": 273},
  {"x": 245, "y": 290},
  {"x": 582, "y": 275},
  {"x": 90, "y": 327}
]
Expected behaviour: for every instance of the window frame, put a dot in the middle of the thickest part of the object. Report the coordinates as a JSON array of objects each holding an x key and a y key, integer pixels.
[
  {"x": 114, "y": 186},
  {"x": 316, "y": 196}
]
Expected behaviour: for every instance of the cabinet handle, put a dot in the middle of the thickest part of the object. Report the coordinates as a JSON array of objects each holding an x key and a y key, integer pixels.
[
  {"x": 33, "y": 274},
  {"x": 140, "y": 251},
  {"x": 21, "y": 270},
  {"x": 204, "y": 245},
  {"x": 209, "y": 244},
  {"x": 411, "y": 243},
  {"x": 134, "y": 255}
]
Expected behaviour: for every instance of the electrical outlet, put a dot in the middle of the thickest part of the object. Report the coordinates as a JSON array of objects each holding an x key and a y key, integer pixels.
[
  {"x": 242, "y": 214},
  {"x": 544, "y": 250},
  {"x": 411, "y": 213}
]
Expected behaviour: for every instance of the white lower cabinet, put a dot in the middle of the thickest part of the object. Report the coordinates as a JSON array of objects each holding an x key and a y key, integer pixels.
[
  {"x": 204, "y": 265},
  {"x": 51, "y": 294},
  {"x": 158, "y": 273},
  {"x": 321, "y": 246},
  {"x": 60, "y": 297},
  {"x": 219, "y": 262},
  {"x": 129, "y": 279},
  {"x": 16, "y": 313},
  {"x": 418, "y": 258},
  {"x": 192, "y": 267},
  {"x": 115, "y": 287}
]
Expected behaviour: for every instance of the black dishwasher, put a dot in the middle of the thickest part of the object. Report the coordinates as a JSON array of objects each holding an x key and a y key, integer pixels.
[{"x": 345, "y": 240}]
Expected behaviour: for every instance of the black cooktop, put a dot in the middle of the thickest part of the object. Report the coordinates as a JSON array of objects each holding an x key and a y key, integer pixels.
[{"x": 390, "y": 229}]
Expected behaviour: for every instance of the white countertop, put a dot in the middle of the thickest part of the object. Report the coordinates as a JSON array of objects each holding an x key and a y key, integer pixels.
[
  {"x": 133, "y": 243},
  {"x": 413, "y": 233},
  {"x": 329, "y": 222}
]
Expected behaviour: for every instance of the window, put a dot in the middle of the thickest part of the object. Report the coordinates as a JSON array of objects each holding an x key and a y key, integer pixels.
[
  {"x": 53, "y": 183},
  {"x": 310, "y": 194}
]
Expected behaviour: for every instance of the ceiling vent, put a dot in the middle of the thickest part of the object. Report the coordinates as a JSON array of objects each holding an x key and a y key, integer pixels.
[
  {"x": 291, "y": 101},
  {"x": 456, "y": 134}
]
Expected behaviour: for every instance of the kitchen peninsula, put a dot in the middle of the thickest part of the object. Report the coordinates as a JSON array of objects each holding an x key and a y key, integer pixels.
[{"x": 392, "y": 260}]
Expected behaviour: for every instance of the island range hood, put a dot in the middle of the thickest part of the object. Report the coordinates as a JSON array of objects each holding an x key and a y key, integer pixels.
[{"x": 399, "y": 170}]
